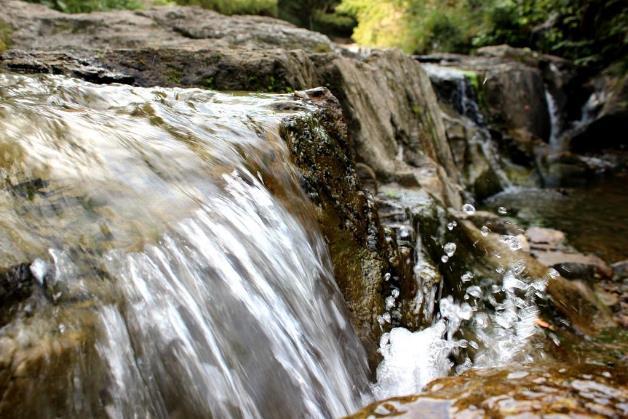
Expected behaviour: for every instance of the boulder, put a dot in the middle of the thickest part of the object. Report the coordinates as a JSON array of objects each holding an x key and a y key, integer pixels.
[
  {"x": 607, "y": 115},
  {"x": 510, "y": 92}
]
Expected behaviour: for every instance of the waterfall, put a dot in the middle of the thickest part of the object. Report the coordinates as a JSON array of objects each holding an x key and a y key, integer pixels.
[
  {"x": 455, "y": 84},
  {"x": 194, "y": 290},
  {"x": 555, "y": 124}
]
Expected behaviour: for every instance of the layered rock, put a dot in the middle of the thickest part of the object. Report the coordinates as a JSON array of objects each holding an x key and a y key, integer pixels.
[{"x": 394, "y": 125}]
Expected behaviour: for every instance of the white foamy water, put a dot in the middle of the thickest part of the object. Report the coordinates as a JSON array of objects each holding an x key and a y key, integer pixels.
[
  {"x": 500, "y": 319},
  {"x": 552, "y": 110}
]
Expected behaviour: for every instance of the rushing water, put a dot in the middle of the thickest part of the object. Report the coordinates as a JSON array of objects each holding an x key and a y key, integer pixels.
[{"x": 148, "y": 209}]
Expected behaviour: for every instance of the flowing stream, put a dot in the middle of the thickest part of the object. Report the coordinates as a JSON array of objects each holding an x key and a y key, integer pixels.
[{"x": 154, "y": 236}]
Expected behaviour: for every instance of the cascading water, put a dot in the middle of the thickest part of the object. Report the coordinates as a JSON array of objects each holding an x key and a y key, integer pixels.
[
  {"x": 463, "y": 99},
  {"x": 552, "y": 110},
  {"x": 173, "y": 282}
]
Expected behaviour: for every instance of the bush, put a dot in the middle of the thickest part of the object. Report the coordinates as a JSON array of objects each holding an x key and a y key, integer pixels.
[
  {"x": 253, "y": 7},
  {"x": 590, "y": 32}
]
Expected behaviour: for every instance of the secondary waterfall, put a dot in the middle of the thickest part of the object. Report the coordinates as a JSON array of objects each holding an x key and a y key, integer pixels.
[
  {"x": 173, "y": 282},
  {"x": 462, "y": 97}
]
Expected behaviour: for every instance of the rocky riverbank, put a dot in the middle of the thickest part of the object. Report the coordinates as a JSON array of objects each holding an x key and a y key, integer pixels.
[{"x": 390, "y": 150}]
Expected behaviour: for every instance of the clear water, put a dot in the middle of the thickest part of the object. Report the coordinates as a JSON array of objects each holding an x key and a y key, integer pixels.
[
  {"x": 594, "y": 217},
  {"x": 148, "y": 210}
]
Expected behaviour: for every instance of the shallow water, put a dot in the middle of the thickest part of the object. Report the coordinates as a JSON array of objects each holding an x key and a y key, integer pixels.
[{"x": 594, "y": 217}]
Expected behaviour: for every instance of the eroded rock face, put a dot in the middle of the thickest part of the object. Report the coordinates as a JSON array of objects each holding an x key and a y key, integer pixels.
[
  {"x": 608, "y": 113},
  {"x": 347, "y": 215}
]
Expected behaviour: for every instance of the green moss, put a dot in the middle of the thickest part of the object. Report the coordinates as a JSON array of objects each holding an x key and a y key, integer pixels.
[
  {"x": 322, "y": 48},
  {"x": 5, "y": 36},
  {"x": 209, "y": 83},
  {"x": 236, "y": 7},
  {"x": 174, "y": 76},
  {"x": 472, "y": 76}
]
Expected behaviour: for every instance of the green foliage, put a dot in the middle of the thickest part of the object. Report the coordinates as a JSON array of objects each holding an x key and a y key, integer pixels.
[
  {"x": 85, "y": 6},
  {"x": 317, "y": 15},
  {"x": 591, "y": 32},
  {"x": 236, "y": 7}
]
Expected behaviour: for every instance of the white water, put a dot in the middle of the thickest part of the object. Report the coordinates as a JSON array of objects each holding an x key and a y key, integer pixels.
[
  {"x": 498, "y": 316},
  {"x": 210, "y": 298},
  {"x": 555, "y": 131}
]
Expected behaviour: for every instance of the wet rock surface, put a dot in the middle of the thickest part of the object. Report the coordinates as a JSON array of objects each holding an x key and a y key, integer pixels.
[
  {"x": 320, "y": 148},
  {"x": 555, "y": 390},
  {"x": 393, "y": 129}
]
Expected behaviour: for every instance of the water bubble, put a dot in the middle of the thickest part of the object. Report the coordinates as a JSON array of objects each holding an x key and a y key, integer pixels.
[
  {"x": 474, "y": 291},
  {"x": 395, "y": 293},
  {"x": 484, "y": 231},
  {"x": 468, "y": 209},
  {"x": 553, "y": 273},
  {"x": 518, "y": 267},
  {"x": 444, "y": 258},
  {"x": 61, "y": 328},
  {"x": 451, "y": 225},
  {"x": 466, "y": 277},
  {"x": 502, "y": 211},
  {"x": 482, "y": 320},
  {"x": 386, "y": 317},
  {"x": 450, "y": 249},
  {"x": 390, "y": 303},
  {"x": 387, "y": 276},
  {"x": 513, "y": 242}
]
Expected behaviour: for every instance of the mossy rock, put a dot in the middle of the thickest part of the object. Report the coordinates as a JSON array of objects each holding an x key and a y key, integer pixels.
[{"x": 5, "y": 36}]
